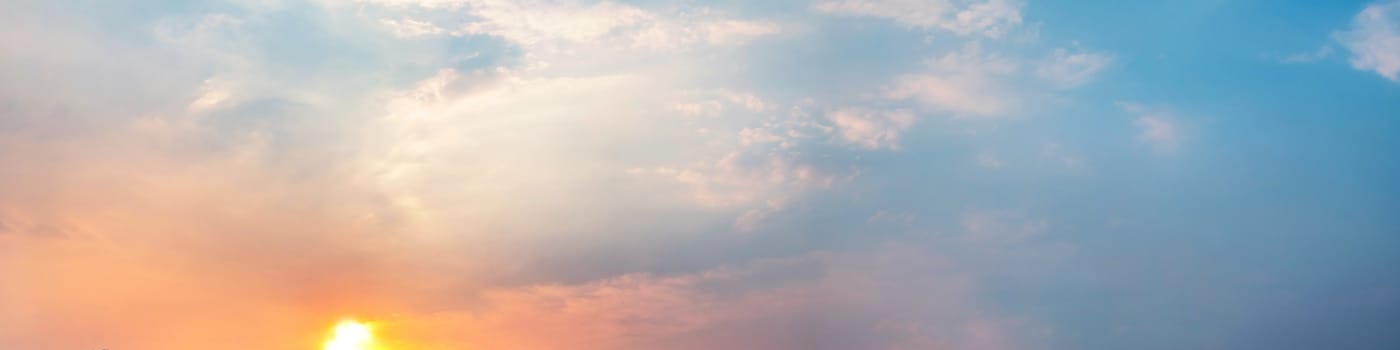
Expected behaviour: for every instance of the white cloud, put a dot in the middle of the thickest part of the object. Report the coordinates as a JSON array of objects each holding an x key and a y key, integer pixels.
[
  {"x": 714, "y": 103},
  {"x": 1374, "y": 39},
  {"x": 468, "y": 151},
  {"x": 1055, "y": 153},
  {"x": 1321, "y": 53},
  {"x": 700, "y": 108},
  {"x": 1159, "y": 131},
  {"x": 575, "y": 23},
  {"x": 749, "y": 101},
  {"x": 758, "y": 165},
  {"x": 964, "y": 83},
  {"x": 409, "y": 28},
  {"x": 555, "y": 25},
  {"x": 419, "y": 3},
  {"x": 735, "y": 32},
  {"x": 990, "y": 160},
  {"x": 960, "y": 94},
  {"x": 730, "y": 163},
  {"x": 1001, "y": 228},
  {"x": 990, "y": 18},
  {"x": 572, "y": 27},
  {"x": 754, "y": 136},
  {"x": 488, "y": 131},
  {"x": 977, "y": 79},
  {"x": 752, "y": 176},
  {"x": 872, "y": 129},
  {"x": 743, "y": 178},
  {"x": 213, "y": 95},
  {"x": 1156, "y": 127},
  {"x": 1068, "y": 69}
]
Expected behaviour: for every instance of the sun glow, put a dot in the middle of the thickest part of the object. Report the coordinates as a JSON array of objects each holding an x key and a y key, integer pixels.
[{"x": 351, "y": 335}]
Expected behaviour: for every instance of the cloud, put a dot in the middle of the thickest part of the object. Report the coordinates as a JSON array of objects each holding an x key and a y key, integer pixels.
[
  {"x": 758, "y": 156},
  {"x": 409, "y": 28},
  {"x": 972, "y": 82},
  {"x": 568, "y": 28},
  {"x": 419, "y": 3},
  {"x": 762, "y": 180},
  {"x": 715, "y": 103},
  {"x": 964, "y": 83},
  {"x": 1071, "y": 69},
  {"x": 483, "y": 137},
  {"x": 1156, "y": 127},
  {"x": 1002, "y": 228},
  {"x": 487, "y": 133},
  {"x": 736, "y": 32},
  {"x": 1058, "y": 155},
  {"x": 990, "y": 160},
  {"x": 214, "y": 94},
  {"x": 872, "y": 129},
  {"x": 1158, "y": 131},
  {"x": 988, "y": 18},
  {"x": 1374, "y": 39},
  {"x": 743, "y": 178},
  {"x": 1320, "y": 54}
]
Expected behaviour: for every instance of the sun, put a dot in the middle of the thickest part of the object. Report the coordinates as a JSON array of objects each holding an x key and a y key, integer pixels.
[{"x": 351, "y": 335}]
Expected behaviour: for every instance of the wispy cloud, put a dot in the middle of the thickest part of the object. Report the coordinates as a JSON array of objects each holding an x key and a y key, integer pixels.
[
  {"x": 975, "y": 82},
  {"x": 1320, "y": 54},
  {"x": 1156, "y": 127},
  {"x": 871, "y": 129},
  {"x": 968, "y": 82},
  {"x": 564, "y": 27},
  {"x": 989, "y": 18},
  {"x": 1068, "y": 69}
]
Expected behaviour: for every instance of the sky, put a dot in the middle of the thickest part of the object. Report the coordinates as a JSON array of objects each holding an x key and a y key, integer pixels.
[{"x": 691, "y": 174}]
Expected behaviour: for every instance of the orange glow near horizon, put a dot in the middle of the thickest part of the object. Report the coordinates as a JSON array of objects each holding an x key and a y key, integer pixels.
[{"x": 351, "y": 335}]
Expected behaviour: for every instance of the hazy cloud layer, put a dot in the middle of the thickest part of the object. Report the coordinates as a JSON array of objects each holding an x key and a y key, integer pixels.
[{"x": 844, "y": 174}]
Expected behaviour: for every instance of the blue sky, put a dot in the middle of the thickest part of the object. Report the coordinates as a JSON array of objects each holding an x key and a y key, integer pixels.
[{"x": 824, "y": 174}]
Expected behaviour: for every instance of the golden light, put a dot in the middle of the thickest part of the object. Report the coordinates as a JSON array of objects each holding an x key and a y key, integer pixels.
[{"x": 351, "y": 335}]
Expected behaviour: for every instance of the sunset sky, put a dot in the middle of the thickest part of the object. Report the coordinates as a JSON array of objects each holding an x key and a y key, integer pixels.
[{"x": 694, "y": 174}]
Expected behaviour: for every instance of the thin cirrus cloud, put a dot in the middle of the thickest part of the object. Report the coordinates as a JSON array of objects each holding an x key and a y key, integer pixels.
[{"x": 609, "y": 175}]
